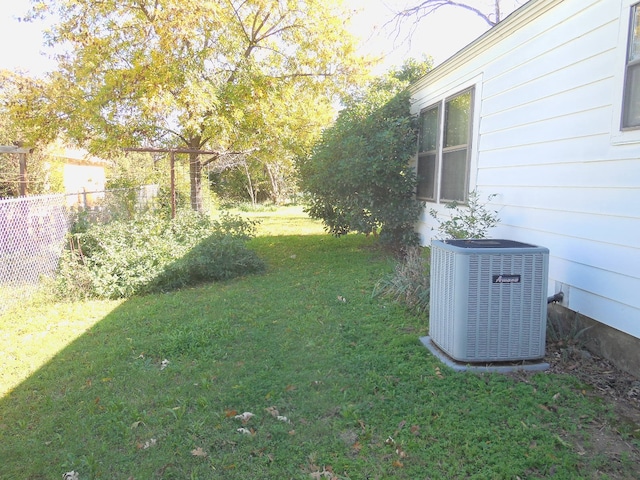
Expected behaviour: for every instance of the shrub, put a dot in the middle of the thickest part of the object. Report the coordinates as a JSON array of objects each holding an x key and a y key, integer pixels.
[
  {"x": 150, "y": 254},
  {"x": 473, "y": 220},
  {"x": 409, "y": 283},
  {"x": 359, "y": 177}
]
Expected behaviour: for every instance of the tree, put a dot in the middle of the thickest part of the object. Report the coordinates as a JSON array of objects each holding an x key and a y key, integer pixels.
[
  {"x": 358, "y": 177},
  {"x": 490, "y": 11},
  {"x": 22, "y": 173},
  {"x": 215, "y": 75}
]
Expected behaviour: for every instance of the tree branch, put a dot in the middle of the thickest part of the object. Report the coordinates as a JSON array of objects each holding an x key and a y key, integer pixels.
[{"x": 427, "y": 7}]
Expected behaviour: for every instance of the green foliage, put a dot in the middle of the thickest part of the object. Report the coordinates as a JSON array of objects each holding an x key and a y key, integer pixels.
[
  {"x": 221, "y": 76},
  {"x": 409, "y": 282},
  {"x": 358, "y": 177},
  {"x": 472, "y": 220},
  {"x": 150, "y": 254}
]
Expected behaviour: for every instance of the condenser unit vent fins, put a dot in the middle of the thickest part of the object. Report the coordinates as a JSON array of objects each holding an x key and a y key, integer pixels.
[{"x": 488, "y": 299}]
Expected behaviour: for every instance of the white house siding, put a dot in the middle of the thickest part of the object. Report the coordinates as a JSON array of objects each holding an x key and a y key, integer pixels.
[{"x": 547, "y": 141}]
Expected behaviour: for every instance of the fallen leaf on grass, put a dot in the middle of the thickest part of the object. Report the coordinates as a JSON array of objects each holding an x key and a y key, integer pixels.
[
  {"x": 401, "y": 453},
  {"x": 290, "y": 388},
  {"x": 245, "y": 417},
  {"x": 136, "y": 424},
  {"x": 230, "y": 413},
  {"x": 398, "y": 464},
  {"x": 148, "y": 444},
  {"x": 198, "y": 452},
  {"x": 273, "y": 411},
  {"x": 342, "y": 299}
]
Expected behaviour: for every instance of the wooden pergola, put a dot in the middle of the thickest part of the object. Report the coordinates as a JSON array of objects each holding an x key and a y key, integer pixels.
[
  {"x": 22, "y": 160},
  {"x": 172, "y": 157}
]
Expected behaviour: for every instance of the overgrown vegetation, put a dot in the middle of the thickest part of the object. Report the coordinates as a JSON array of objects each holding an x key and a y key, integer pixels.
[
  {"x": 359, "y": 176},
  {"x": 409, "y": 284},
  {"x": 158, "y": 386},
  {"x": 472, "y": 220},
  {"x": 153, "y": 254}
]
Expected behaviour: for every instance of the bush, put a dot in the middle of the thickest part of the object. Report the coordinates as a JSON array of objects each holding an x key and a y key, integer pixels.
[
  {"x": 471, "y": 221},
  {"x": 359, "y": 177},
  {"x": 409, "y": 283},
  {"x": 151, "y": 254}
]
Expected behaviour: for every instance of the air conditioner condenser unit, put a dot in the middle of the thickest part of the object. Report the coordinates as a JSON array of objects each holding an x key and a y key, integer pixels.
[{"x": 488, "y": 300}]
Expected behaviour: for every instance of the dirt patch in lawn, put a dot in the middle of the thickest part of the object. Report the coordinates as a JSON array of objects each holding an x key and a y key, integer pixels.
[{"x": 613, "y": 445}]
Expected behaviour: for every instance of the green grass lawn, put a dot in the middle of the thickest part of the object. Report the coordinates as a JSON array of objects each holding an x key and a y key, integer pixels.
[{"x": 150, "y": 387}]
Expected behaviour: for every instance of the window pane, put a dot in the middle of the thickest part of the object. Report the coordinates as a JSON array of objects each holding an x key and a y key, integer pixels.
[
  {"x": 457, "y": 116},
  {"x": 634, "y": 40},
  {"x": 454, "y": 175},
  {"x": 427, "y": 177},
  {"x": 429, "y": 129},
  {"x": 632, "y": 97}
]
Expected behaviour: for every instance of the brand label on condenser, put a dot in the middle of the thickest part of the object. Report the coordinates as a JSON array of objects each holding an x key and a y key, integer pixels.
[{"x": 506, "y": 279}]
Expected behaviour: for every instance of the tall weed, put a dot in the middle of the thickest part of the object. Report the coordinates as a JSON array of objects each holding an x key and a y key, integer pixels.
[{"x": 409, "y": 282}]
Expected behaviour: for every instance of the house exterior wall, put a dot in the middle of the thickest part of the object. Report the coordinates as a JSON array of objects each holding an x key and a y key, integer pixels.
[{"x": 547, "y": 141}]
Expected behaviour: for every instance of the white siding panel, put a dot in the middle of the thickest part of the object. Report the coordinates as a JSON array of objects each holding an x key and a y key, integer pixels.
[
  {"x": 581, "y": 124},
  {"x": 557, "y": 59},
  {"x": 619, "y": 288},
  {"x": 598, "y": 228},
  {"x": 623, "y": 202},
  {"x": 547, "y": 153},
  {"x": 556, "y": 103},
  {"x": 623, "y": 174},
  {"x": 617, "y": 315},
  {"x": 591, "y": 69},
  {"x": 613, "y": 258}
]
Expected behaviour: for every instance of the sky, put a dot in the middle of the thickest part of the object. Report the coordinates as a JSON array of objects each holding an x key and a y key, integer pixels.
[{"x": 439, "y": 36}]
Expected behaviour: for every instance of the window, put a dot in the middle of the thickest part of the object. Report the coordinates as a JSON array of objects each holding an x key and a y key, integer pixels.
[
  {"x": 443, "y": 149},
  {"x": 631, "y": 104}
]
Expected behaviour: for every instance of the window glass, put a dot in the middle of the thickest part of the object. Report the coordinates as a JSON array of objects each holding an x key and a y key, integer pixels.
[
  {"x": 634, "y": 41},
  {"x": 454, "y": 176},
  {"x": 632, "y": 97},
  {"x": 631, "y": 105},
  {"x": 457, "y": 115},
  {"x": 429, "y": 129},
  {"x": 427, "y": 177}
]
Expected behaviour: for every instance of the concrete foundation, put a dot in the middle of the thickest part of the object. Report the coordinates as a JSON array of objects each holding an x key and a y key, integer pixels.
[
  {"x": 619, "y": 348},
  {"x": 505, "y": 367}
]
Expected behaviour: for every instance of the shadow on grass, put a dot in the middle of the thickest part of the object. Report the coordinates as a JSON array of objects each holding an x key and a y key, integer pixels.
[{"x": 337, "y": 382}]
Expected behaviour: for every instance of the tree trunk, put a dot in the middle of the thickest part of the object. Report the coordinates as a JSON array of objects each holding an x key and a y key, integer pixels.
[
  {"x": 250, "y": 190},
  {"x": 275, "y": 183}
]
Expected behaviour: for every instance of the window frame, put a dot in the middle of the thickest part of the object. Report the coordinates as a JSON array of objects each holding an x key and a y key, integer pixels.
[
  {"x": 442, "y": 150},
  {"x": 631, "y": 66},
  {"x": 424, "y": 154}
]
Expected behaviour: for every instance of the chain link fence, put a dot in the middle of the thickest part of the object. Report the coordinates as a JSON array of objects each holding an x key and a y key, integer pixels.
[{"x": 33, "y": 231}]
